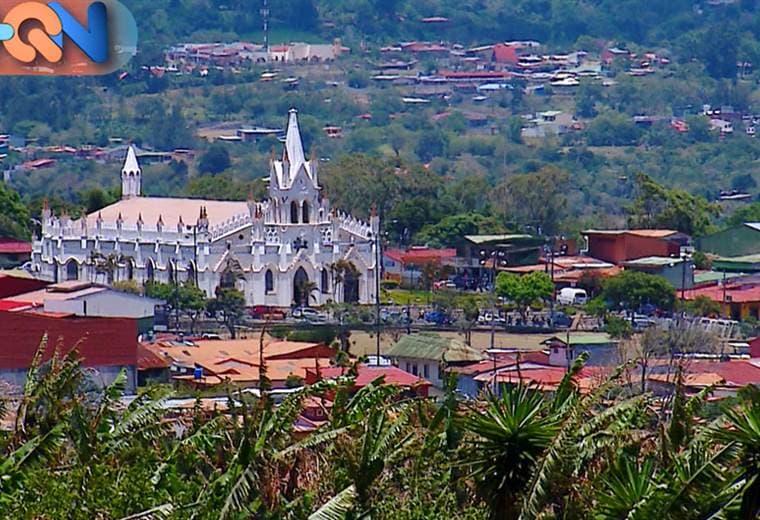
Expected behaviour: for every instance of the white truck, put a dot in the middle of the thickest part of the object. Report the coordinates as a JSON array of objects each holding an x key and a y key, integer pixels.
[{"x": 572, "y": 296}]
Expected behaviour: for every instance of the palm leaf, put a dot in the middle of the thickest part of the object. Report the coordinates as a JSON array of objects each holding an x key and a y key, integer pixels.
[{"x": 337, "y": 507}]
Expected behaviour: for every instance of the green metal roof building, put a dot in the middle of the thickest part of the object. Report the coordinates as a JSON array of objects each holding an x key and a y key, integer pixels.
[
  {"x": 427, "y": 354},
  {"x": 741, "y": 240}
]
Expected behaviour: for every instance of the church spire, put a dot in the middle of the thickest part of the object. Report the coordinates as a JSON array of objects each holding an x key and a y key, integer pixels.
[
  {"x": 131, "y": 175},
  {"x": 293, "y": 144}
]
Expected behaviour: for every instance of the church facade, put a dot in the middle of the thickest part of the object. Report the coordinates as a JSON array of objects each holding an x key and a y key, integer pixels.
[{"x": 287, "y": 250}]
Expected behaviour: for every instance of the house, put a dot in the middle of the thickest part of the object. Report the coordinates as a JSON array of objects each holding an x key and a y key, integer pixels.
[
  {"x": 619, "y": 246},
  {"x": 105, "y": 345},
  {"x": 543, "y": 379},
  {"x": 738, "y": 264},
  {"x": 478, "y": 254},
  {"x": 550, "y": 122},
  {"x": 207, "y": 363},
  {"x": 367, "y": 374},
  {"x": 726, "y": 378},
  {"x": 429, "y": 355},
  {"x": 472, "y": 378},
  {"x": 739, "y": 297},
  {"x": 152, "y": 367},
  {"x": 505, "y": 54},
  {"x": 740, "y": 240},
  {"x": 14, "y": 252},
  {"x": 405, "y": 265},
  {"x": 601, "y": 348},
  {"x": 18, "y": 283},
  {"x": 678, "y": 271},
  {"x": 82, "y": 298}
]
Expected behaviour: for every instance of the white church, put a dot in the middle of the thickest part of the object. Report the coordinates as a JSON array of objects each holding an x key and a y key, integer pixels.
[{"x": 280, "y": 252}]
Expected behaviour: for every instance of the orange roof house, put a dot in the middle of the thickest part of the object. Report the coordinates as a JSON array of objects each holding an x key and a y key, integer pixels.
[{"x": 239, "y": 362}]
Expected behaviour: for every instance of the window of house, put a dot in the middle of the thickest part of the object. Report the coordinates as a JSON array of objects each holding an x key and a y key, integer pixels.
[
  {"x": 425, "y": 371},
  {"x": 414, "y": 369},
  {"x": 440, "y": 372}
]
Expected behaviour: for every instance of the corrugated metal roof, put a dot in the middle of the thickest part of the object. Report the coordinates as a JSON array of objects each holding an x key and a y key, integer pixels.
[
  {"x": 653, "y": 261},
  {"x": 484, "y": 239},
  {"x": 433, "y": 346}
]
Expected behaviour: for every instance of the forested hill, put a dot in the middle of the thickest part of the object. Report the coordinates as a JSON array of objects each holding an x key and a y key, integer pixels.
[{"x": 673, "y": 23}]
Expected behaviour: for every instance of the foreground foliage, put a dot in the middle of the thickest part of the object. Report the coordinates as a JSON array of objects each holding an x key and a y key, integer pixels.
[{"x": 76, "y": 451}]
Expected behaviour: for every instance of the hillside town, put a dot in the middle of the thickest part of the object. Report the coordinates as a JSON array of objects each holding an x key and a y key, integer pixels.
[{"x": 393, "y": 260}]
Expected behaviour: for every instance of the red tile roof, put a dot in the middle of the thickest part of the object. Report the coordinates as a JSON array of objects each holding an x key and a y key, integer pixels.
[
  {"x": 6, "y": 305},
  {"x": 10, "y": 246},
  {"x": 734, "y": 293},
  {"x": 420, "y": 255},
  {"x": 503, "y": 53},
  {"x": 392, "y": 376},
  {"x": 148, "y": 358}
]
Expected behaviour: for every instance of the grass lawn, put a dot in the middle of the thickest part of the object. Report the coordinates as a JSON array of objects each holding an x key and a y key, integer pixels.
[{"x": 420, "y": 297}]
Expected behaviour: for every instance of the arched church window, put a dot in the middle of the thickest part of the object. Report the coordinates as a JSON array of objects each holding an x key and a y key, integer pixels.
[
  {"x": 305, "y": 213},
  {"x": 294, "y": 212},
  {"x": 150, "y": 271},
  {"x": 191, "y": 272},
  {"x": 324, "y": 282},
  {"x": 130, "y": 269},
  {"x": 72, "y": 270},
  {"x": 269, "y": 281},
  {"x": 228, "y": 280}
]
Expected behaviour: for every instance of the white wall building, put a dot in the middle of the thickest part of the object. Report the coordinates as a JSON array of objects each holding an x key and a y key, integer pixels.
[{"x": 272, "y": 250}]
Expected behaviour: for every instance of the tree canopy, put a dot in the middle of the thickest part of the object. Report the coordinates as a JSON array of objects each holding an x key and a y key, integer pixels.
[{"x": 633, "y": 289}]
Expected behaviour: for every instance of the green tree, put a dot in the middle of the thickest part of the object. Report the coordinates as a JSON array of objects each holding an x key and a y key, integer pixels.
[
  {"x": 524, "y": 289},
  {"x": 612, "y": 129},
  {"x": 659, "y": 207},
  {"x": 229, "y": 308},
  {"x": 719, "y": 50},
  {"x": 14, "y": 216},
  {"x": 518, "y": 200},
  {"x": 632, "y": 289},
  {"x": 215, "y": 159}
]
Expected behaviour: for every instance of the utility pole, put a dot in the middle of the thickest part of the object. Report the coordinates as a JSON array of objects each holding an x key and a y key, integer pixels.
[{"x": 378, "y": 259}]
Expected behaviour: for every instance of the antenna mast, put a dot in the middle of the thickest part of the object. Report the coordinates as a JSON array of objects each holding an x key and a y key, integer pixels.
[{"x": 265, "y": 16}]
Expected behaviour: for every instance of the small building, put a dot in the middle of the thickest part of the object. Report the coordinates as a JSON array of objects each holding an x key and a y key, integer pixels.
[
  {"x": 152, "y": 367},
  {"x": 208, "y": 363},
  {"x": 619, "y": 246},
  {"x": 105, "y": 345},
  {"x": 81, "y": 298},
  {"x": 429, "y": 355},
  {"x": 739, "y": 240},
  {"x": 601, "y": 348},
  {"x": 12, "y": 284},
  {"x": 14, "y": 252},
  {"x": 678, "y": 271},
  {"x": 389, "y": 375},
  {"x": 739, "y": 297},
  {"x": 738, "y": 264}
]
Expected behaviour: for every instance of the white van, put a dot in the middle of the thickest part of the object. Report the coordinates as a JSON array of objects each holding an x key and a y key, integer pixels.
[{"x": 572, "y": 296}]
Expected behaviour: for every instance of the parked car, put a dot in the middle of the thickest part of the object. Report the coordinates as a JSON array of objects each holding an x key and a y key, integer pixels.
[
  {"x": 562, "y": 320},
  {"x": 572, "y": 296},
  {"x": 437, "y": 317},
  {"x": 309, "y": 314},
  {"x": 266, "y": 312}
]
